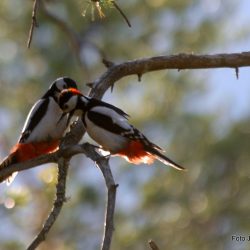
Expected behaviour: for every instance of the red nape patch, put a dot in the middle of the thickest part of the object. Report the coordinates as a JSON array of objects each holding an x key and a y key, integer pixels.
[
  {"x": 135, "y": 153},
  {"x": 74, "y": 91},
  {"x": 27, "y": 151}
]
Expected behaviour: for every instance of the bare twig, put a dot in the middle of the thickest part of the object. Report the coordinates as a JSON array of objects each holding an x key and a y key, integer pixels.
[
  {"x": 58, "y": 203},
  {"x": 33, "y": 22},
  {"x": 122, "y": 13},
  {"x": 153, "y": 245}
]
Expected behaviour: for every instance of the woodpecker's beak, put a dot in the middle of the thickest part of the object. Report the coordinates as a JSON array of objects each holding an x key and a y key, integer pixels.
[{"x": 62, "y": 116}]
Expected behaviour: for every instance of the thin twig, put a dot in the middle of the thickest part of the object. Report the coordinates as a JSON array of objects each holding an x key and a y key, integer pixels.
[
  {"x": 237, "y": 73},
  {"x": 63, "y": 165},
  {"x": 122, "y": 13},
  {"x": 110, "y": 207},
  {"x": 153, "y": 245},
  {"x": 34, "y": 22}
]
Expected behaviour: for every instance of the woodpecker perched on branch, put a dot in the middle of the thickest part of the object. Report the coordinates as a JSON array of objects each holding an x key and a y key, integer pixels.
[
  {"x": 42, "y": 131},
  {"x": 109, "y": 127}
]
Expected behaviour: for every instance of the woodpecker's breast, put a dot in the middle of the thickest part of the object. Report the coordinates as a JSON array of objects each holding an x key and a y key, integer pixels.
[
  {"x": 109, "y": 141},
  {"x": 47, "y": 126}
]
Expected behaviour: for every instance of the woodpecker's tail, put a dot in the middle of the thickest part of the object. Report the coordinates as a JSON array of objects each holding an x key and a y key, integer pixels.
[
  {"x": 9, "y": 160},
  {"x": 137, "y": 152},
  {"x": 154, "y": 150}
]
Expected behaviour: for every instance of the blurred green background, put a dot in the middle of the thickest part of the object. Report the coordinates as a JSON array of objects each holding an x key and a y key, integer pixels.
[{"x": 201, "y": 118}]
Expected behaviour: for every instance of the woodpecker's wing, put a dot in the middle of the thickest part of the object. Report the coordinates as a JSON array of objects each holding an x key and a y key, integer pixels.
[
  {"x": 109, "y": 119},
  {"x": 35, "y": 115},
  {"x": 164, "y": 159},
  {"x": 95, "y": 103}
]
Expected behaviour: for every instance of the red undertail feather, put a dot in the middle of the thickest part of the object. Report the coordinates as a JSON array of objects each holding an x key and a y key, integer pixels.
[
  {"x": 27, "y": 151},
  {"x": 136, "y": 154}
]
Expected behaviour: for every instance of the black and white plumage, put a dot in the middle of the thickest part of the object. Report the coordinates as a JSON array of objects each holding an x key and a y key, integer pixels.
[
  {"x": 109, "y": 127},
  {"x": 41, "y": 122},
  {"x": 42, "y": 131}
]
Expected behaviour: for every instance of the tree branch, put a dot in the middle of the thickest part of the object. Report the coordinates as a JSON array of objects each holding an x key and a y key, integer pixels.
[
  {"x": 63, "y": 165},
  {"x": 179, "y": 62},
  {"x": 153, "y": 245},
  {"x": 110, "y": 207},
  {"x": 33, "y": 22}
]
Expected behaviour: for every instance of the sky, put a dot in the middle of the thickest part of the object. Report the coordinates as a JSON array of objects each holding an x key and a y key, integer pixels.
[{"x": 224, "y": 89}]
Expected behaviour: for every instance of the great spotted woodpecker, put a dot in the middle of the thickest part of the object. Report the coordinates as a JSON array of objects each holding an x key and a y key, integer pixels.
[
  {"x": 109, "y": 127},
  {"x": 42, "y": 131}
]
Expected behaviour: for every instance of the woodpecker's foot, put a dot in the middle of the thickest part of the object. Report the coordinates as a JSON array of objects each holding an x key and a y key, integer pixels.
[
  {"x": 107, "y": 156},
  {"x": 103, "y": 157},
  {"x": 96, "y": 147}
]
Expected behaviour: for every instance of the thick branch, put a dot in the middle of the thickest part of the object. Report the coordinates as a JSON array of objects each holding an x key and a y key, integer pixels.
[
  {"x": 179, "y": 62},
  {"x": 66, "y": 152},
  {"x": 63, "y": 165}
]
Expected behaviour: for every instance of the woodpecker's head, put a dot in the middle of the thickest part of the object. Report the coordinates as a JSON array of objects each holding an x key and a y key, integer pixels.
[
  {"x": 70, "y": 101},
  {"x": 58, "y": 85}
]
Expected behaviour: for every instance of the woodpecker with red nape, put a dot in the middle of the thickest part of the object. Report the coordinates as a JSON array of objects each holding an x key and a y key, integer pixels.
[
  {"x": 109, "y": 127},
  {"x": 42, "y": 132}
]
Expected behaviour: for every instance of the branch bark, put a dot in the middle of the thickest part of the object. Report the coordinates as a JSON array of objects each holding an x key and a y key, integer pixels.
[
  {"x": 153, "y": 245},
  {"x": 33, "y": 22},
  {"x": 181, "y": 61},
  {"x": 110, "y": 207}
]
